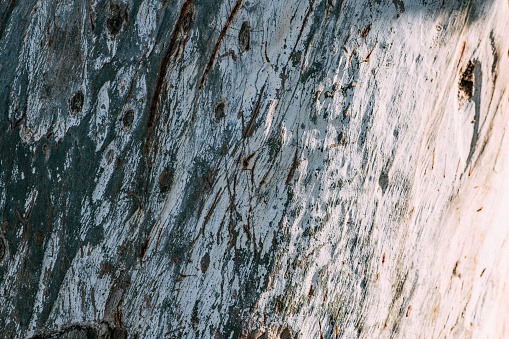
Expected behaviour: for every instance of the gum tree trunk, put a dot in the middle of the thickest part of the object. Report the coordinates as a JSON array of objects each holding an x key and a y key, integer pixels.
[{"x": 254, "y": 169}]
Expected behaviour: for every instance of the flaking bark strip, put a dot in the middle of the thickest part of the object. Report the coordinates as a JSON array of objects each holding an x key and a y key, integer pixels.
[
  {"x": 252, "y": 174},
  {"x": 218, "y": 42},
  {"x": 207, "y": 217},
  {"x": 15, "y": 123},
  {"x": 296, "y": 42},
  {"x": 162, "y": 72},
  {"x": 251, "y": 227},
  {"x": 266, "y": 57},
  {"x": 250, "y": 125},
  {"x": 211, "y": 210},
  {"x": 158, "y": 239},
  {"x": 222, "y": 224}
]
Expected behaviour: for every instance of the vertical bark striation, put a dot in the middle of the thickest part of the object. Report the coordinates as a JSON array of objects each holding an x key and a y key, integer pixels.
[{"x": 270, "y": 169}]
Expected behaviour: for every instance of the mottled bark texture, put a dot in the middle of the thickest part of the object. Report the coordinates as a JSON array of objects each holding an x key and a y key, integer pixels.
[{"x": 254, "y": 169}]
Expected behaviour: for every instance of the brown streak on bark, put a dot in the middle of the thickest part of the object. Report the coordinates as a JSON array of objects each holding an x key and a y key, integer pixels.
[
  {"x": 266, "y": 56},
  {"x": 158, "y": 239},
  {"x": 211, "y": 210},
  {"x": 250, "y": 125},
  {"x": 340, "y": 5},
  {"x": 222, "y": 223},
  {"x": 162, "y": 73},
  {"x": 366, "y": 59},
  {"x": 294, "y": 165},
  {"x": 296, "y": 42},
  {"x": 218, "y": 42}
]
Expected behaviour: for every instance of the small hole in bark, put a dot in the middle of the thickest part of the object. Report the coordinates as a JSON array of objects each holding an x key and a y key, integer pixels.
[
  {"x": 466, "y": 84},
  {"x": 165, "y": 179},
  {"x": 188, "y": 19},
  {"x": 244, "y": 36},
  {"x": 115, "y": 19},
  {"x": 383, "y": 181},
  {"x": 205, "y": 262},
  {"x": 127, "y": 120},
  {"x": 341, "y": 137},
  {"x": 39, "y": 238},
  {"x": 45, "y": 149},
  {"x": 76, "y": 102},
  {"x": 219, "y": 110},
  {"x": 296, "y": 58}
]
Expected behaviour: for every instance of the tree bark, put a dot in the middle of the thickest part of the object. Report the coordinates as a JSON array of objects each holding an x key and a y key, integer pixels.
[{"x": 239, "y": 169}]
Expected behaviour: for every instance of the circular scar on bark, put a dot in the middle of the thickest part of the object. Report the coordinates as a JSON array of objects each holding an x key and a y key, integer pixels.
[
  {"x": 116, "y": 18},
  {"x": 45, "y": 149},
  {"x": 39, "y": 238},
  {"x": 165, "y": 179},
  {"x": 76, "y": 102},
  {"x": 383, "y": 181},
  {"x": 341, "y": 138},
  {"x": 245, "y": 36},
  {"x": 219, "y": 110},
  {"x": 127, "y": 120},
  {"x": 205, "y": 262}
]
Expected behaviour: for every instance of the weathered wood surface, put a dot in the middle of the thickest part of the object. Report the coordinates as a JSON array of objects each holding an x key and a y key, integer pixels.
[{"x": 218, "y": 169}]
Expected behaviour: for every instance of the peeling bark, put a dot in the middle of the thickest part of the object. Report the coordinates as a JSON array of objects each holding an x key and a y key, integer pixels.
[{"x": 270, "y": 169}]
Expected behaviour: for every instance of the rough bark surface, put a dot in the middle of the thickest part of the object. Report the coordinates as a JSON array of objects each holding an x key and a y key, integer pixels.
[{"x": 254, "y": 169}]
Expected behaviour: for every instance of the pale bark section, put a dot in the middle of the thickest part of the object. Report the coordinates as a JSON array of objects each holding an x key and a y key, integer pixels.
[{"x": 200, "y": 169}]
